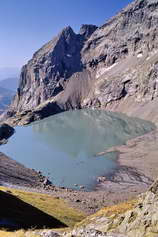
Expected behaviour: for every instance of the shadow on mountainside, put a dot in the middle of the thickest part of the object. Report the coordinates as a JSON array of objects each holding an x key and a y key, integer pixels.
[{"x": 16, "y": 214}]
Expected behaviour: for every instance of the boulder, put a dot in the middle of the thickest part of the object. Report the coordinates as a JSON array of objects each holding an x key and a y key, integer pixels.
[{"x": 6, "y": 131}]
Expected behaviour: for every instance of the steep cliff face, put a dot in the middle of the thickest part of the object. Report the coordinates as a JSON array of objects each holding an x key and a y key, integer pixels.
[
  {"x": 105, "y": 67},
  {"x": 123, "y": 53},
  {"x": 130, "y": 32},
  {"x": 48, "y": 72}
]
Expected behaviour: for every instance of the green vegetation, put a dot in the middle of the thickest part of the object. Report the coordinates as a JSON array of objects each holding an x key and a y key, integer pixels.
[
  {"x": 64, "y": 217},
  {"x": 29, "y": 210},
  {"x": 20, "y": 233}
]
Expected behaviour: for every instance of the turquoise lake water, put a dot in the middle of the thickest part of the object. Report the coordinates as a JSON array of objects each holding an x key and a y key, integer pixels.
[{"x": 64, "y": 146}]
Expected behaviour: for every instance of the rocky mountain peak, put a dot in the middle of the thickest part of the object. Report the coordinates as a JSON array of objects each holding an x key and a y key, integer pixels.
[
  {"x": 100, "y": 65},
  {"x": 87, "y": 30},
  {"x": 67, "y": 32}
]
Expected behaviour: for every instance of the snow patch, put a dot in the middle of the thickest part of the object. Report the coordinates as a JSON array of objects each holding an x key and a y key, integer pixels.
[
  {"x": 101, "y": 71},
  {"x": 139, "y": 55},
  {"x": 97, "y": 92}
]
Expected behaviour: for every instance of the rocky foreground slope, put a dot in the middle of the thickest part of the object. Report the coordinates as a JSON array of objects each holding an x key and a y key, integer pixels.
[
  {"x": 114, "y": 66},
  {"x": 140, "y": 221},
  {"x": 124, "y": 220}
]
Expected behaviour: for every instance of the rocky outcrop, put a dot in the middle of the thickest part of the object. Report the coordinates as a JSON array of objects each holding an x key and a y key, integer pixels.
[
  {"x": 83, "y": 233},
  {"x": 100, "y": 67},
  {"x": 140, "y": 221},
  {"x": 6, "y": 131},
  {"x": 93, "y": 233}
]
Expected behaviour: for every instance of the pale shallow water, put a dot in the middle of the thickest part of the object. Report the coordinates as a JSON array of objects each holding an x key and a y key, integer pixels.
[{"x": 64, "y": 146}]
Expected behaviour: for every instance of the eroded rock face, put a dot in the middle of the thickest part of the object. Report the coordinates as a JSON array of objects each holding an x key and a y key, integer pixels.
[
  {"x": 132, "y": 30},
  {"x": 123, "y": 53},
  {"x": 48, "y": 72},
  {"x": 98, "y": 67}
]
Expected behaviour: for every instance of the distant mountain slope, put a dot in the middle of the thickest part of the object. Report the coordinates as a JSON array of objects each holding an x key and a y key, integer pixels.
[
  {"x": 10, "y": 83},
  {"x": 5, "y": 98},
  {"x": 9, "y": 72}
]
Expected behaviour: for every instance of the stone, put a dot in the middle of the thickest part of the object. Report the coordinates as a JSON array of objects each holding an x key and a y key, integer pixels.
[
  {"x": 6, "y": 131},
  {"x": 94, "y": 233},
  {"x": 101, "y": 179},
  {"x": 81, "y": 187},
  {"x": 46, "y": 182},
  {"x": 49, "y": 234},
  {"x": 78, "y": 200}
]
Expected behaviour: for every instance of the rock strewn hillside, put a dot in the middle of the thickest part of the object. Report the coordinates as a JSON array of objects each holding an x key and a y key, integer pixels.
[{"x": 140, "y": 221}]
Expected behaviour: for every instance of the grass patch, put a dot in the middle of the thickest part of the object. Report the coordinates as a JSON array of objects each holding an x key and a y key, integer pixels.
[
  {"x": 20, "y": 233},
  {"x": 117, "y": 209},
  {"x": 53, "y": 207}
]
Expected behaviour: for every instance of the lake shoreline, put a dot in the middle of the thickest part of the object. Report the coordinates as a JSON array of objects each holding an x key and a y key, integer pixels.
[
  {"x": 131, "y": 178},
  {"x": 137, "y": 164},
  {"x": 63, "y": 147}
]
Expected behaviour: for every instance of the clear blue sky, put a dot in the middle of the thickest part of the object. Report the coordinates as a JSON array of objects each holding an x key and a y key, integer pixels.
[{"x": 25, "y": 25}]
